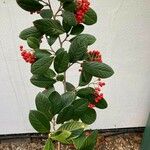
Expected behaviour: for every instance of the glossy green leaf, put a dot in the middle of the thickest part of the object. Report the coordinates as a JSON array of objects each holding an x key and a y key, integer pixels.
[
  {"x": 69, "y": 6},
  {"x": 61, "y": 62},
  {"x": 49, "y": 27},
  {"x": 48, "y": 92},
  {"x": 60, "y": 50},
  {"x": 50, "y": 73},
  {"x": 65, "y": 115},
  {"x": 33, "y": 42},
  {"x": 85, "y": 78},
  {"x": 77, "y": 29},
  {"x": 43, "y": 105},
  {"x": 79, "y": 141},
  {"x": 90, "y": 17},
  {"x": 100, "y": 70},
  {"x": 39, "y": 53},
  {"x": 80, "y": 106},
  {"x": 41, "y": 65},
  {"x": 51, "y": 39},
  {"x": 39, "y": 121},
  {"x": 61, "y": 136},
  {"x": 85, "y": 91},
  {"x": 30, "y": 5},
  {"x": 30, "y": 32},
  {"x": 69, "y": 18},
  {"x": 72, "y": 125},
  {"x": 79, "y": 45},
  {"x": 60, "y": 77},
  {"x": 66, "y": 27},
  {"x": 89, "y": 116},
  {"x": 46, "y": 13},
  {"x": 90, "y": 141},
  {"x": 68, "y": 98},
  {"x": 102, "y": 104},
  {"x": 56, "y": 102},
  {"x": 41, "y": 81},
  {"x": 69, "y": 87},
  {"x": 49, "y": 145}
]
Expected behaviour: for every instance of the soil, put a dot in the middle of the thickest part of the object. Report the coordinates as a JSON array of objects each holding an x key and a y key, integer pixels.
[{"x": 130, "y": 141}]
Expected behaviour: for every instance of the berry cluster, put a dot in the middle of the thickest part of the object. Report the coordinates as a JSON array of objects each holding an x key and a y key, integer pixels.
[
  {"x": 95, "y": 56},
  {"x": 98, "y": 95},
  {"x": 82, "y": 8},
  {"x": 27, "y": 56}
]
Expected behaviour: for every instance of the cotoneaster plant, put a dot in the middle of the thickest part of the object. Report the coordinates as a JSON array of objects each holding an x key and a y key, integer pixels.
[{"x": 75, "y": 109}]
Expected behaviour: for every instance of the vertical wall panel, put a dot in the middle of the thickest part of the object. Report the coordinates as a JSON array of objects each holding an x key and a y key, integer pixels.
[{"x": 123, "y": 37}]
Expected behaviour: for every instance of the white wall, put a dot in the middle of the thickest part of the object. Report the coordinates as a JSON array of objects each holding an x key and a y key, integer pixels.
[{"x": 123, "y": 36}]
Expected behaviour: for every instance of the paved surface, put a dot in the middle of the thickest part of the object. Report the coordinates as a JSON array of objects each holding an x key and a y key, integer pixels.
[{"x": 130, "y": 141}]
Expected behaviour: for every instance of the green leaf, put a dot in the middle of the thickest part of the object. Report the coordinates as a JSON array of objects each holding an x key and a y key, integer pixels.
[
  {"x": 90, "y": 17},
  {"x": 65, "y": 115},
  {"x": 89, "y": 116},
  {"x": 41, "y": 65},
  {"x": 61, "y": 136},
  {"x": 68, "y": 98},
  {"x": 39, "y": 121},
  {"x": 39, "y": 53},
  {"x": 87, "y": 38},
  {"x": 75, "y": 134},
  {"x": 30, "y": 5},
  {"x": 71, "y": 126},
  {"x": 49, "y": 145},
  {"x": 61, "y": 62},
  {"x": 56, "y": 102},
  {"x": 41, "y": 81},
  {"x": 60, "y": 77},
  {"x": 66, "y": 27},
  {"x": 51, "y": 39},
  {"x": 44, "y": 105},
  {"x": 90, "y": 141},
  {"x": 47, "y": 92},
  {"x": 78, "y": 142},
  {"x": 50, "y": 73},
  {"x": 84, "y": 92},
  {"x": 49, "y": 27},
  {"x": 79, "y": 45},
  {"x": 99, "y": 70},
  {"x": 69, "y": 18},
  {"x": 33, "y": 42},
  {"x": 46, "y": 13},
  {"x": 85, "y": 78},
  {"x": 30, "y": 32},
  {"x": 60, "y": 50},
  {"x": 69, "y": 87},
  {"x": 102, "y": 104},
  {"x": 69, "y": 6},
  {"x": 77, "y": 29},
  {"x": 80, "y": 106}
]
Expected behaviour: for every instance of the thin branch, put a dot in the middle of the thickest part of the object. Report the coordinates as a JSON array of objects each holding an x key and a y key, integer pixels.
[
  {"x": 52, "y": 50},
  {"x": 49, "y": 4},
  {"x": 60, "y": 41},
  {"x": 44, "y": 2},
  {"x": 59, "y": 9},
  {"x": 67, "y": 35}
]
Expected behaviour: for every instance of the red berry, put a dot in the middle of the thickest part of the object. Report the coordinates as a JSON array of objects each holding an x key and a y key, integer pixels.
[
  {"x": 82, "y": 8},
  {"x": 91, "y": 106}
]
